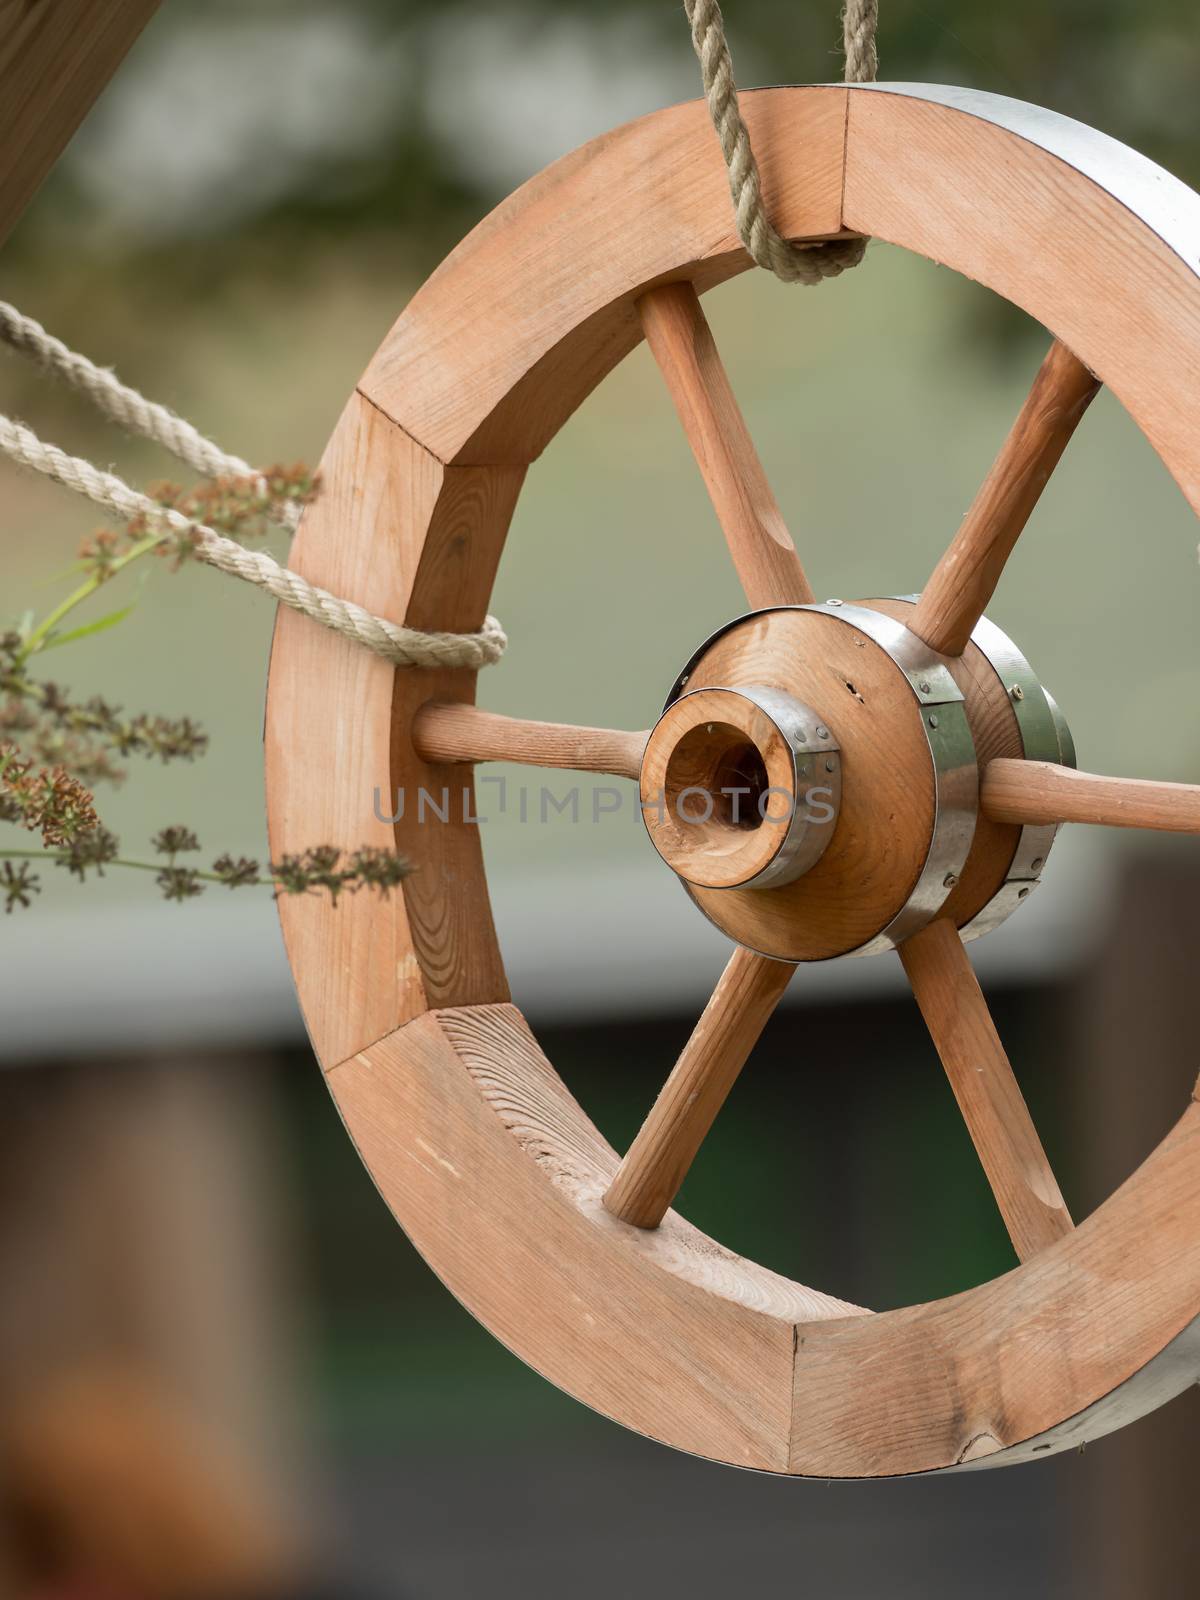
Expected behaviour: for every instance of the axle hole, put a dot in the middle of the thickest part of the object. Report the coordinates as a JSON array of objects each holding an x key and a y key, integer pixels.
[{"x": 716, "y": 781}]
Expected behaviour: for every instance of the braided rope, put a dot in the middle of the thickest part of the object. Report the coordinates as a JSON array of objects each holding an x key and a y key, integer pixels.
[
  {"x": 406, "y": 647},
  {"x": 794, "y": 263},
  {"x": 121, "y": 404}
]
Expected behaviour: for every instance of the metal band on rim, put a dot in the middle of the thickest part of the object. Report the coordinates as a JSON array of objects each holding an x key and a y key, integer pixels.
[
  {"x": 1157, "y": 198},
  {"x": 951, "y": 753}
]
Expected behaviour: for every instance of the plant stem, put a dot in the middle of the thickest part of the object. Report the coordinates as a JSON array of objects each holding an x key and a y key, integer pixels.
[
  {"x": 37, "y": 639},
  {"x": 118, "y": 861}
]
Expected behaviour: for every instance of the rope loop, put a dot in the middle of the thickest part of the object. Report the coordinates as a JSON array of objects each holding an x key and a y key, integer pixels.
[{"x": 794, "y": 263}]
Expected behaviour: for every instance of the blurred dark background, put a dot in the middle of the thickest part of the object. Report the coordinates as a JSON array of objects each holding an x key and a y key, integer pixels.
[{"x": 197, "y": 1271}]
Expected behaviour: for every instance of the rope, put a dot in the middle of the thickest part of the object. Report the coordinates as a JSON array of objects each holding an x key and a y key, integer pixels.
[
  {"x": 124, "y": 406},
  {"x": 406, "y": 647},
  {"x": 794, "y": 263}
]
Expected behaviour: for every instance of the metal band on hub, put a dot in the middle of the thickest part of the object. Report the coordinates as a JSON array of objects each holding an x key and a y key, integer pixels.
[
  {"x": 804, "y": 772},
  {"x": 951, "y": 752},
  {"x": 955, "y": 772},
  {"x": 1044, "y": 736},
  {"x": 816, "y": 771}
]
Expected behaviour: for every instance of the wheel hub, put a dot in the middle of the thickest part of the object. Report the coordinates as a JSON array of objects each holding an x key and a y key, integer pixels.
[
  {"x": 740, "y": 788},
  {"x": 813, "y": 780}
]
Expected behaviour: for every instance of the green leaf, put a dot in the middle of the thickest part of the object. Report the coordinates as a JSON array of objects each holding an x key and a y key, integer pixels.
[{"x": 101, "y": 625}]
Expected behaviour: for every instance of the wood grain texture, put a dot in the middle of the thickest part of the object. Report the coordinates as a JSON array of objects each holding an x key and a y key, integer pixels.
[
  {"x": 536, "y": 305},
  {"x": 964, "y": 580},
  {"x": 988, "y": 1096},
  {"x": 1092, "y": 1333},
  {"x": 869, "y": 866},
  {"x": 681, "y": 341},
  {"x": 463, "y": 1125},
  {"x": 497, "y": 1176},
  {"x": 334, "y": 708},
  {"x": 667, "y": 1143},
  {"x": 1040, "y": 791},
  {"x": 709, "y": 742},
  {"x": 56, "y": 56},
  {"x": 446, "y": 898},
  {"x": 445, "y": 732}
]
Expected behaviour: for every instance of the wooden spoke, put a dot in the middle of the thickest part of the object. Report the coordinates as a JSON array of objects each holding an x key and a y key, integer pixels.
[
  {"x": 456, "y": 732},
  {"x": 965, "y": 579},
  {"x": 658, "y": 1159},
  {"x": 682, "y": 343},
  {"x": 988, "y": 1095},
  {"x": 1041, "y": 791}
]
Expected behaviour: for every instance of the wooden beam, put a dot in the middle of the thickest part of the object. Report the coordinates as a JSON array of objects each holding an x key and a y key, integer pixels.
[
  {"x": 965, "y": 579},
  {"x": 681, "y": 341},
  {"x": 1042, "y": 791},
  {"x": 460, "y": 732},
  {"x": 988, "y": 1096},
  {"x": 658, "y": 1159},
  {"x": 56, "y": 56}
]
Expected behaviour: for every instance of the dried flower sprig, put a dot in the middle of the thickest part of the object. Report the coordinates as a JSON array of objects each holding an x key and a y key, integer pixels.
[
  {"x": 337, "y": 872},
  {"x": 320, "y": 870},
  {"x": 236, "y": 874},
  {"x": 47, "y": 725},
  {"x": 45, "y": 800},
  {"x": 54, "y": 750},
  {"x": 176, "y": 882},
  {"x": 18, "y": 885},
  {"x": 82, "y": 739},
  {"x": 248, "y": 507},
  {"x": 89, "y": 852}
]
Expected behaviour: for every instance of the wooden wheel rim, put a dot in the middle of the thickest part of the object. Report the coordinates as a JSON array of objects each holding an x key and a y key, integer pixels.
[{"x": 491, "y": 1167}]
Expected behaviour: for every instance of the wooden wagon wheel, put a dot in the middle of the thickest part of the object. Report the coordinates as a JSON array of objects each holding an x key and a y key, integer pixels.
[{"x": 895, "y": 709}]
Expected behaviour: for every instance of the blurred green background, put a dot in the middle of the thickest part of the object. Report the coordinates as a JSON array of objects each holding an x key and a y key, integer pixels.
[
  {"x": 253, "y": 201},
  {"x": 234, "y": 228}
]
